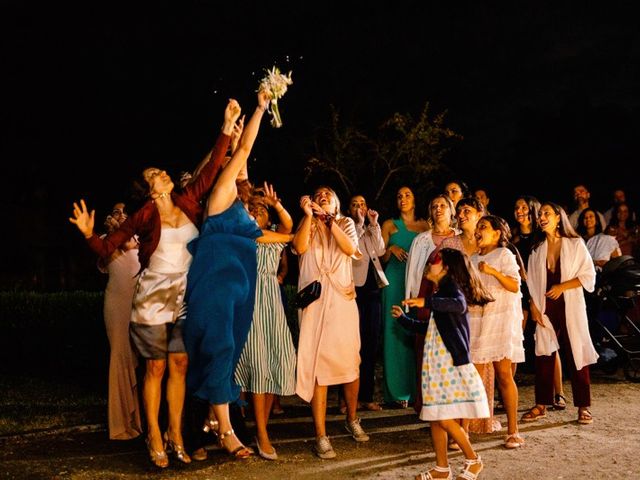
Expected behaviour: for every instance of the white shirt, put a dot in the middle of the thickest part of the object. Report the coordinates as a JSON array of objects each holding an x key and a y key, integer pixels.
[{"x": 371, "y": 244}]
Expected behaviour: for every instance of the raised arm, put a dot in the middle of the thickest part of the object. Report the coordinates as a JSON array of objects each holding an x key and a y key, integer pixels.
[
  {"x": 303, "y": 234},
  {"x": 225, "y": 191},
  {"x": 84, "y": 219},
  {"x": 205, "y": 173},
  {"x": 274, "y": 237},
  {"x": 285, "y": 222}
]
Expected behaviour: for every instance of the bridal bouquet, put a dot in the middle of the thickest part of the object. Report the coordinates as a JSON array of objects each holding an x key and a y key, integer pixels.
[{"x": 275, "y": 84}]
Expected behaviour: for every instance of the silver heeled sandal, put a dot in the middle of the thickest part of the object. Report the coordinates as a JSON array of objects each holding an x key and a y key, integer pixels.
[{"x": 176, "y": 450}]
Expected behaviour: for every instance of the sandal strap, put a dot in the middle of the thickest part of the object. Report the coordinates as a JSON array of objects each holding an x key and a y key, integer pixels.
[
  {"x": 466, "y": 474},
  {"x": 428, "y": 476},
  {"x": 472, "y": 461},
  {"x": 210, "y": 426}
]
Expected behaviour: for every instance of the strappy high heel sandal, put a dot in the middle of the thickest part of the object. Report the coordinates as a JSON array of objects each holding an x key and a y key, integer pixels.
[
  {"x": 467, "y": 474},
  {"x": 177, "y": 450},
  {"x": 240, "y": 451},
  {"x": 158, "y": 458},
  {"x": 211, "y": 426}
]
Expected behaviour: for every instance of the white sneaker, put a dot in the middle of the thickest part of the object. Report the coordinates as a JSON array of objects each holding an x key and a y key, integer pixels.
[
  {"x": 324, "y": 449},
  {"x": 356, "y": 430}
]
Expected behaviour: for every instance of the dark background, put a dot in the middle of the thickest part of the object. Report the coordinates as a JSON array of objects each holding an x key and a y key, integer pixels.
[{"x": 545, "y": 95}]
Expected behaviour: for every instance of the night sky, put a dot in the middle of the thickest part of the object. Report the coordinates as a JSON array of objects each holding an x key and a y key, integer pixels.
[{"x": 537, "y": 92}]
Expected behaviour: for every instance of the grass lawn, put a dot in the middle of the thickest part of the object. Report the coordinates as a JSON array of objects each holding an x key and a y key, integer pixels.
[{"x": 30, "y": 404}]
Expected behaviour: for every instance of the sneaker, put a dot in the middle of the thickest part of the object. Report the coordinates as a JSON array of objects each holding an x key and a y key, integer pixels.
[
  {"x": 356, "y": 430},
  {"x": 324, "y": 449}
]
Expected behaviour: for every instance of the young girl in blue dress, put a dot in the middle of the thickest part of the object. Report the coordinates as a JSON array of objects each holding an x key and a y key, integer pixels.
[{"x": 451, "y": 386}]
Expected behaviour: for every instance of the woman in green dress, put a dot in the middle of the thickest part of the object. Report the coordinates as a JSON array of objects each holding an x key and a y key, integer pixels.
[{"x": 398, "y": 345}]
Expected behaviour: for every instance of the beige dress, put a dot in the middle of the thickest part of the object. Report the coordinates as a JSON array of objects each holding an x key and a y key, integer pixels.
[
  {"x": 329, "y": 342},
  {"x": 123, "y": 405}
]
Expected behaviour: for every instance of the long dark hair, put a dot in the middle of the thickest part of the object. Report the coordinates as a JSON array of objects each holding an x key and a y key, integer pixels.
[
  {"x": 461, "y": 271},
  {"x": 534, "y": 207},
  {"x": 581, "y": 229},
  {"x": 501, "y": 225},
  {"x": 565, "y": 229}
]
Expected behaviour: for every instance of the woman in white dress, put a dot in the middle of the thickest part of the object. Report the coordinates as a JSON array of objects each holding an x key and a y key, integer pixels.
[{"x": 499, "y": 339}]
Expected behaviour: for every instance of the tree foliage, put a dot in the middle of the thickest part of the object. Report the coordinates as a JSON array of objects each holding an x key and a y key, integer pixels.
[{"x": 403, "y": 149}]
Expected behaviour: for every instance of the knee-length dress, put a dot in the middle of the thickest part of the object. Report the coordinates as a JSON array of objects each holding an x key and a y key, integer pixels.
[
  {"x": 398, "y": 345},
  {"x": 449, "y": 391},
  {"x": 220, "y": 299},
  {"x": 329, "y": 342},
  {"x": 498, "y": 334},
  {"x": 268, "y": 360}
]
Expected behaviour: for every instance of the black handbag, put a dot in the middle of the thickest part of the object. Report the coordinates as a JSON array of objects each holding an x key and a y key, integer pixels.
[{"x": 308, "y": 294}]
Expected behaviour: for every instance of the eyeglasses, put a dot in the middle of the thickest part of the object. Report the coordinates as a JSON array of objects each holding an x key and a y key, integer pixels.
[{"x": 117, "y": 212}]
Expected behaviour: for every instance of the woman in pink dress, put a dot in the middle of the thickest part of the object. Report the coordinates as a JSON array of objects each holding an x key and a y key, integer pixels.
[{"x": 329, "y": 342}]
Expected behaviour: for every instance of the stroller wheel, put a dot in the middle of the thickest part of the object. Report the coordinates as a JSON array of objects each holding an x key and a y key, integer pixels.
[{"x": 632, "y": 370}]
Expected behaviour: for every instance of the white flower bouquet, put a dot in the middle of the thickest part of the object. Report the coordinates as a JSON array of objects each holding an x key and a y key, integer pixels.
[{"x": 275, "y": 84}]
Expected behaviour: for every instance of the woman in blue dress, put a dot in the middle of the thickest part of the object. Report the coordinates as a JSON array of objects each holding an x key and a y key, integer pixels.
[{"x": 221, "y": 292}]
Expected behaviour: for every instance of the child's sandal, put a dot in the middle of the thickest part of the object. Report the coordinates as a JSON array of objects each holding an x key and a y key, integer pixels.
[
  {"x": 428, "y": 476},
  {"x": 467, "y": 474}
]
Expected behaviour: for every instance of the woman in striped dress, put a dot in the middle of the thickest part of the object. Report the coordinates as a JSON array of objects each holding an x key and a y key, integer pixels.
[{"x": 267, "y": 364}]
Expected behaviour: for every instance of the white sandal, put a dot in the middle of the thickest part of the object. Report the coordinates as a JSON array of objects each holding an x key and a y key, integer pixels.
[
  {"x": 468, "y": 475},
  {"x": 428, "y": 476}
]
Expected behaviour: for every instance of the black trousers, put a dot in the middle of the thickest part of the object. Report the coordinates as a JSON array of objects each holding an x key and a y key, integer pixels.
[{"x": 370, "y": 310}]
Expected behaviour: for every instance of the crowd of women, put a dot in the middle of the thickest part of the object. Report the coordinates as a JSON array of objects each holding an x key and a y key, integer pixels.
[{"x": 193, "y": 282}]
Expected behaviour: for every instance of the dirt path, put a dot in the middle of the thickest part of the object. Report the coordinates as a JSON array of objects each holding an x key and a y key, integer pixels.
[{"x": 400, "y": 447}]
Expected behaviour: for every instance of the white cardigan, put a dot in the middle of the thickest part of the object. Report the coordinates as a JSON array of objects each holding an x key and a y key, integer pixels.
[
  {"x": 575, "y": 261},
  {"x": 421, "y": 247}
]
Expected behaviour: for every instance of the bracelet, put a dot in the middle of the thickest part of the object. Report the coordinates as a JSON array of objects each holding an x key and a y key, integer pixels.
[{"x": 261, "y": 108}]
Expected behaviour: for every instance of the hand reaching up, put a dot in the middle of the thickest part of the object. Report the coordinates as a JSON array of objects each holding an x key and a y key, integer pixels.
[
  {"x": 270, "y": 195},
  {"x": 232, "y": 111},
  {"x": 82, "y": 219},
  {"x": 263, "y": 100}
]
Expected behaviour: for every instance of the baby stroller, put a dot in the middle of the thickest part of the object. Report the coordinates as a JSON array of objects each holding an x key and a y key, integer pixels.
[{"x": 616, "y": 293}]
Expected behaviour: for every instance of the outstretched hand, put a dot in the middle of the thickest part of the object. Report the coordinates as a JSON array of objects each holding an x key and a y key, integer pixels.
[
  {"x": 414, "y": 302},
  {"x": 396, "y": 311},
  {"x": 263, "y": 100},
  {"x": 270, "y": 195},
  {"x": 82, "y": 219},
  {"x": 232, "y": 111}
]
